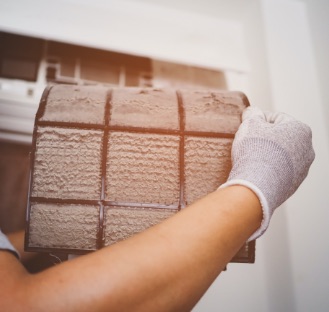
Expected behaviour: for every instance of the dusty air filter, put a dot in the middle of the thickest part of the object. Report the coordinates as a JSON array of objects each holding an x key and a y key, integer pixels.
[{"x": 108, "y": 163}]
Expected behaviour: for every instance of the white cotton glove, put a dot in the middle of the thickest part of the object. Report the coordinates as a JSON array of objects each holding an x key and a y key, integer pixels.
[{"x": 271, "y": 155}]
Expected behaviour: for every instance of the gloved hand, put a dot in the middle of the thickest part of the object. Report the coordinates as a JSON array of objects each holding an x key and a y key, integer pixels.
[{"x": 271, "y": 155}]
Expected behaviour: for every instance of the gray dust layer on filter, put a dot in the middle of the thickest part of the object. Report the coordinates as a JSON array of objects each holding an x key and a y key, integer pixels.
[
  {"x": 67, "y": 163},
  {"x": 143, "y": 108},
  {"x": 143, "y": 168},
  {"x": 123, "y": 222},
  {"x": 67, "y": 103},
  {"x": 212, "y": 111},
  {"x": 140, "y": 167},
  {"x": 63, "y": 226},
  {"x": 207, "y": 165}
]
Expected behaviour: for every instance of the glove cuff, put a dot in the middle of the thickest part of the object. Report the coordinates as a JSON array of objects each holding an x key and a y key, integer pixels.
[{"x": 267, "y": 212}]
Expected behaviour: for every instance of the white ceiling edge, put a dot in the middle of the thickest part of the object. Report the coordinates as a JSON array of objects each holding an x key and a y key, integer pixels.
[{"x": 129, "y": 27}]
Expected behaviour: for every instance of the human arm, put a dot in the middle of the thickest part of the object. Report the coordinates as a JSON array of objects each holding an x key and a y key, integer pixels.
[
  {"x": 166, "y": 268},
  {"x": 170, "y": 266}
]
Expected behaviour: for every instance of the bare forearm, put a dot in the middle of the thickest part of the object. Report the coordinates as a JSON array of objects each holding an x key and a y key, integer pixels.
[{"x": 166, "y": 268}]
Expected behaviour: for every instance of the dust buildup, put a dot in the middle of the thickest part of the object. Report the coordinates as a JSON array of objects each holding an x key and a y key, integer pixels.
[
  {"x": 123, "y": 222},
  {"x": 143, "y": 168},
  {"x": 63, "y": 226},
  {"x": 67, "y": 163},
  {"x": 212, "y": 111},
  {"x": 207, "y": 165},
  {"x": 67, "y": 103},
  {"x": 146, "y": 108}
]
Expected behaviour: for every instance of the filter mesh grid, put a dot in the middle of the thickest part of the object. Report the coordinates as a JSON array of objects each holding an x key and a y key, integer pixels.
[{"x": 108, "y": 163}]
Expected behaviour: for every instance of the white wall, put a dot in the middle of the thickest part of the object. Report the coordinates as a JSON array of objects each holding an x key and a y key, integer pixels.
[
  {"x": 296, "y": 89},
  {"x": 318, "y": 13}
]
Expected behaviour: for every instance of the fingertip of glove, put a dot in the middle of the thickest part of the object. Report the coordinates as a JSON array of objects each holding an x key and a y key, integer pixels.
[
  {"x": 252, "y": 112},
  {"x": 270, "y": 117},
  {"x": 278, "y": 117}
]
